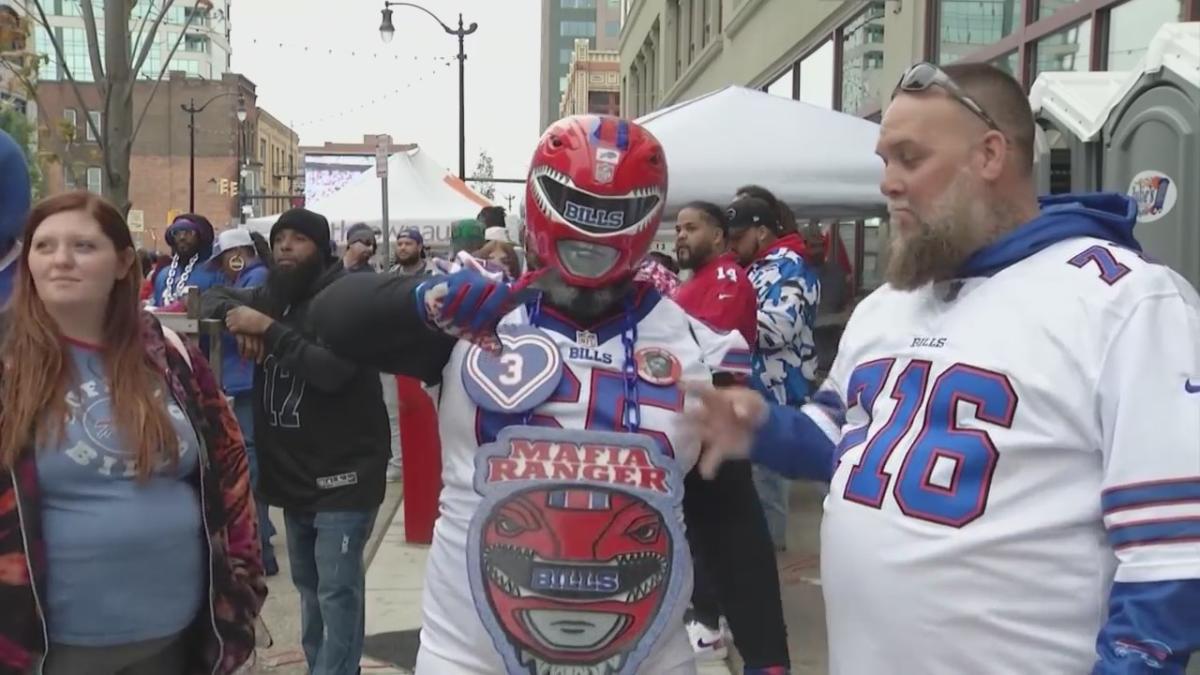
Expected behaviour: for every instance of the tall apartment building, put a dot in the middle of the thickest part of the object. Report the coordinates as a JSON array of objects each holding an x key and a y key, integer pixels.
[
  {"x": 203, "y": 51},
  {"x": 563, "y": 22},
  {"x": 593, "y": 82}
]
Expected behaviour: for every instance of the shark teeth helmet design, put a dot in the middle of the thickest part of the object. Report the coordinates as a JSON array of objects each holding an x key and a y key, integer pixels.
[{"x": 594, "y": 198}]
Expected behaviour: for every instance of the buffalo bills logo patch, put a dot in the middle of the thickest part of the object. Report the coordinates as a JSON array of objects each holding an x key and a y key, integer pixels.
[
  {"x": 577, "y": 558},
  {"x": 518, "y": 379}
]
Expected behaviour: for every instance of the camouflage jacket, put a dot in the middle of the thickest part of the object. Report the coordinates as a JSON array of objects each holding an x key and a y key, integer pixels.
[{"x": 222, "y": 636}]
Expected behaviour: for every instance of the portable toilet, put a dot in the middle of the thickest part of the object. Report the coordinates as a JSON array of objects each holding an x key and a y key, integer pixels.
[
  {"x": 1152, "y": 148},
  {"x": 1070, "y": 110}
]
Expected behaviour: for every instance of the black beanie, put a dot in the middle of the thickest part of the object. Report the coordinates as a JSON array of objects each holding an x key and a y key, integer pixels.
[{"x": 312, "y": 225}]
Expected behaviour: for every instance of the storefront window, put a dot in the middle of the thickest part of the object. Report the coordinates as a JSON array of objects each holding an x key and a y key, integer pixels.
[
  {"x": 816, "y": 77},
  {"x": 965, "y": 26},
  {"x": 862, "y": 59},
  {"x": 1067, "y": 49},
  {"x": 1009, "y": 63},
  {"x": 782, "y": 85},
  {"x": 1131, "y": 27}
]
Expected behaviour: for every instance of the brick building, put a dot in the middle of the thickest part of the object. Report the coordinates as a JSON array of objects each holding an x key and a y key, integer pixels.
[
  {"x": 159, "y": 166},
  {"x": 593, "y": 82},
  {"x": 275, "y": 162}
]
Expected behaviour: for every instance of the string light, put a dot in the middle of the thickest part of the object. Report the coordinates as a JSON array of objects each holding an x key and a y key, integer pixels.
[{"x": 356, "y": 53}]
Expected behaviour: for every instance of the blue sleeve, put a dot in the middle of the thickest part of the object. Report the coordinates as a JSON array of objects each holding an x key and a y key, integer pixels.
[
  {"x": 1152, "y": 626},
  {"x": 253, "y": 279},
  {"x": 791, "y": 443}
]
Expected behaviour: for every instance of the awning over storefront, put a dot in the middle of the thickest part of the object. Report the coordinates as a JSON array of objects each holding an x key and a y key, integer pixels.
[{"x": 822, "y": 163}]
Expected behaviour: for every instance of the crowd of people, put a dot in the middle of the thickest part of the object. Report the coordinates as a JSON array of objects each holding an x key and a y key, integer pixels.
[{"x": 1009, "y": 435}]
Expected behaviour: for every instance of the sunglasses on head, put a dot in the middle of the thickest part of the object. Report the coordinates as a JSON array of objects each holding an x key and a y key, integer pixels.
[{"x": 922, "y": 76}]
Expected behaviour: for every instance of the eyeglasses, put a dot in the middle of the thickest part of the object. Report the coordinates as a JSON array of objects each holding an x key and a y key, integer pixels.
[{"x": 924, "y": 75}]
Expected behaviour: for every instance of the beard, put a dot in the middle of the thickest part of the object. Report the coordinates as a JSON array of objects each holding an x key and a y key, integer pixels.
[
  {"x": 581, "y": 304},
  {"x": 289, "y": 285},
  {"x": 959, "y": 223},
  {"x": 408, "y": 261},
  {"x": 693, "y": 257}
]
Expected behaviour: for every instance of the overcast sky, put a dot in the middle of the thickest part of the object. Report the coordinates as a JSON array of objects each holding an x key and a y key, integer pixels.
[{"x": 345, "y": 84}]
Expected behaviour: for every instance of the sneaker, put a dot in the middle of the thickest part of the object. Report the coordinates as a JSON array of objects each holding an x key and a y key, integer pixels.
[
  {"x": 708, "y": 644},
  {"x": 394, "y": 474}
]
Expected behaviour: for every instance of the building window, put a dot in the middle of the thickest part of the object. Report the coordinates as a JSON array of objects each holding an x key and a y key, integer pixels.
[
  {"x": 198, "y": 15},
  {"x": 577, "y": 28},
  {"x": 1131, "y": 27},
  {"x": 1047, "y": 8},
  {"x": 577, "y": 4},
  {"x": 816, "y": 76},
  {"x": 198, "y": 44},
  {"x": 97, "y": 119},
  {"x": 68, "y": 177},
  {"x": 564, "y": 56},
  {"x": 75, "y": 52},
  {"x": 1067, "y": 49},
  {"x": 189, "y": 66},
  {"x": 782, "y": 85},
  {"x": 612, "y": 28},
  {"x": 967, "y": 25},
  {"x": 95, "y": 180},
  {"x": 862, "y": 59}
]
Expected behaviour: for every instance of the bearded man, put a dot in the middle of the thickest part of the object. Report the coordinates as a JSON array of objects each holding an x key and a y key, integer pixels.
[
  {"x": 1010, "y": 427},
  {"x": 321, "y": 433},
  {"x": 190, "y": 238}
]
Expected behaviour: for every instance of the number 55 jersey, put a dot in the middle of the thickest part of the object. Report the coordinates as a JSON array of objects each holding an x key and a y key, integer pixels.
[
  {"x": 1018, "y": 471},
  {"x": 560, "y": 547}
]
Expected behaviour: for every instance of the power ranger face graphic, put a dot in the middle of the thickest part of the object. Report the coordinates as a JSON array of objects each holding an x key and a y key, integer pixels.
[
  {"x": 575, "y": 575},
  {"x": 580, "y": 576}
]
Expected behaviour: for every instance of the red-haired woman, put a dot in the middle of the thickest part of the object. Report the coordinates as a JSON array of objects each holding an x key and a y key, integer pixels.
[{"x": 128, "y": 539}]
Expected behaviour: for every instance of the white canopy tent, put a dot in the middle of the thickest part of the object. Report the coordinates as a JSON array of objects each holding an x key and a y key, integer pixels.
[
  {"x": 820, "y": 162},
  {"x": 420, "y": 194}
]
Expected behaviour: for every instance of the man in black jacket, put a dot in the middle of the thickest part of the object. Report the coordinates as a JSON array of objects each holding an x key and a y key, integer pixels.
[{"x": 322, "y": 435}]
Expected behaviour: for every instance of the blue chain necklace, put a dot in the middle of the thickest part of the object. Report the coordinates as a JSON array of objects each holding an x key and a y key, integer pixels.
[{"x": 632, "y": 413}]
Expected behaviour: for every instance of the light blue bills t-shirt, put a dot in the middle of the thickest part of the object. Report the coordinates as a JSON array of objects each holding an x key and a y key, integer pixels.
[{"x": 127, "y": 560}]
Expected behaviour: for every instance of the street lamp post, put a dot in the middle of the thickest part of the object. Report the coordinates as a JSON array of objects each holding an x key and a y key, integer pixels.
[
  {"x": 192, "y": 111},
  {"x": 387, "y": 31}
]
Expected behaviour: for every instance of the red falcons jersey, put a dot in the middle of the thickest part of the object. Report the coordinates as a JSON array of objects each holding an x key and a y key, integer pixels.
[{"x": 720, "y": 295}]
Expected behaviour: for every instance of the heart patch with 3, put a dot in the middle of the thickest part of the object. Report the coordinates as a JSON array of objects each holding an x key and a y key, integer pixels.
[{"x": 518, "y": 379}]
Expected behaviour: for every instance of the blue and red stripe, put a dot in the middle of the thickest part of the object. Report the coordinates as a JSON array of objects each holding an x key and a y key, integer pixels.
[
  {"x": 1150, "y": 493},
  {"x": 1157, "y": 531},
  {"x": 738, "y": 359}
]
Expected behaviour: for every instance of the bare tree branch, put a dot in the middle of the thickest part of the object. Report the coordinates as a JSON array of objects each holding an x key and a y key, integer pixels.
[
  {"x": 162, "y": 73},
  {"x": 69, "y": 77},
  {"x": 137, "y": 41},
  {"x": 93, "y": 43},
  {"x": 149, "y": 41}
]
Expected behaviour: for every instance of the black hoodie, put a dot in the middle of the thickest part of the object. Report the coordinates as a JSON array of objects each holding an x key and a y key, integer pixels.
[{"x": 320, "y": 425}]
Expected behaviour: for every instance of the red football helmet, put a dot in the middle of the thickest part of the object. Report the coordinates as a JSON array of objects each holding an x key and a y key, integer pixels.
[{"x": 594, "y": 198}]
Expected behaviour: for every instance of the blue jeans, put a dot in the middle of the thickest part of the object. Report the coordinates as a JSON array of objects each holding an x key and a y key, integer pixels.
[
  {"x": 326, "y": 553},
  {"x": 243, "y": 409},
  {"x": 772, "y": 491}
]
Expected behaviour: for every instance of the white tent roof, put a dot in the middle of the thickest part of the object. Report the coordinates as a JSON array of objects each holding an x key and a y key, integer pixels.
[
  {"x": 820, "y": 162},
  {"x": 1081, "y": 102},
  {"x": 420, "y": 194}
]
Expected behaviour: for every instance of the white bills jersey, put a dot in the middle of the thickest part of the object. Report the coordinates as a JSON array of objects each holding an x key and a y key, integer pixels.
[
  {"x": 560, "y": 549},
  {"x": 1011, "y": 446}
]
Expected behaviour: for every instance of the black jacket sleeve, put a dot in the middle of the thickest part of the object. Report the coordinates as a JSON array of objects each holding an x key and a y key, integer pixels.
[
  {"x": 217, "y": 301},
  {"x": 372, "y": 319},
  {"x": 312, "y": 362}
]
